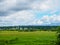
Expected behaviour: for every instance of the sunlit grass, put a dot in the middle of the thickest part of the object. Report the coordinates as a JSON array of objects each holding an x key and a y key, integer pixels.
[{"x": 30, "y": 38}]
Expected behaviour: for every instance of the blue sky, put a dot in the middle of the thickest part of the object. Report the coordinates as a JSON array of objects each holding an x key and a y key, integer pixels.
[{"x": 29, "y": 12}]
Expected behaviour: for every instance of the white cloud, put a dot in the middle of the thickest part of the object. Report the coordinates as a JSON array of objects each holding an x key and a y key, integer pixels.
[
  {"x": 47, "y": 20},
  {"x": 28, "y": 18},
  {"x": 7, "y": 4},
  {"x": 40, "y": 6},
  {"x": 45, "y": 5},
  {"x": 39, "y": 22},
  {"x": 18, "y": 18},
  {"x": 18, "y": 13}
]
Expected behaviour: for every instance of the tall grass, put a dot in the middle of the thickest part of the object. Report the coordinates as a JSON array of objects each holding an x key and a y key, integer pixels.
[{"x": 27, "y": 38}]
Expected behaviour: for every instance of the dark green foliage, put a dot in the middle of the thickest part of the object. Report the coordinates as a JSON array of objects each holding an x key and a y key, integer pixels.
[
  {"x": 59, "y": 36},
  {"x": 58, "y": 39},
  {"x": 30, "y": 28}
]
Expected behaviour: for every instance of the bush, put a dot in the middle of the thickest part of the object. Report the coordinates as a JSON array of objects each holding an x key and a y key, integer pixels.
[{"x": 58, "y": 40}]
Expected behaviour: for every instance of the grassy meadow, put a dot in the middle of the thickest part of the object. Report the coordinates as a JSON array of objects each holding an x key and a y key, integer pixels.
[{"x": 27, "y": 38}]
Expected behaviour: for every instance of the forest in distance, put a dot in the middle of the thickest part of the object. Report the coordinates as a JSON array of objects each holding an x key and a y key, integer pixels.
[{"x": 31, "y": 28}]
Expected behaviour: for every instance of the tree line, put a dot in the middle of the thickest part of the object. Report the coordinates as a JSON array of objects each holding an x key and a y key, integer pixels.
[{"x": 30, "y": 28}]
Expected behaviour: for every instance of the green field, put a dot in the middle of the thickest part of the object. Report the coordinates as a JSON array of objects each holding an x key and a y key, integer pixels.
[{"x": 27, "y": 38}]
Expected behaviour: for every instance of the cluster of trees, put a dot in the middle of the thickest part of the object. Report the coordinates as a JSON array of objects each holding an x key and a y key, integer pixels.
[{"x": 31, "y": 28}]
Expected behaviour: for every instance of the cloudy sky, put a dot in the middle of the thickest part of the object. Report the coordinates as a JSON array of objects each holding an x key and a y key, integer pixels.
[{"x": 29, "y": 12}]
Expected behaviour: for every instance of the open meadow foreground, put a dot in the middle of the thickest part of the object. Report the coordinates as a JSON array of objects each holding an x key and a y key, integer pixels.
[{"x": 28, "y": 38}]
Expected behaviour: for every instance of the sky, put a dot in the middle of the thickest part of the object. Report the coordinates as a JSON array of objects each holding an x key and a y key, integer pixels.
[{"x": 29, "y": 12}]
